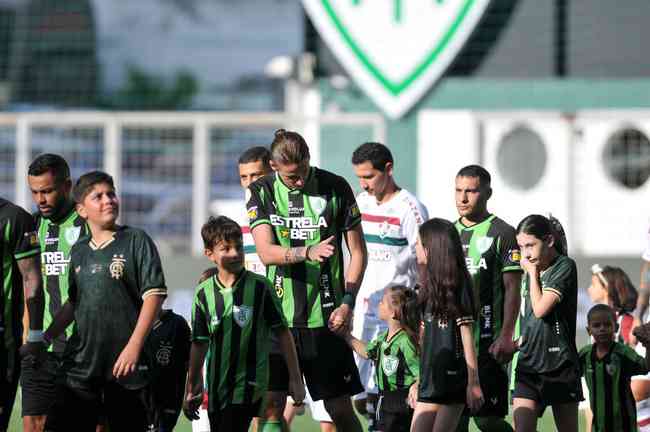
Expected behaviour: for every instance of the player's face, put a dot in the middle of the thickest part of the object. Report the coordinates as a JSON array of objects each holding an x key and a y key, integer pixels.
[
  {"x": 536, "y": 251},
  {"x": 602, "y": 327},
  {"x": 373, "y": 180},
  {"x": 100, "y": 207},
  {"x": 293, "y": 175},
  {"x": 47, "y": 194},
  {"x": 471, "y": 198},
  {"x": 597, "y": 292},
  {"x": 251, "y": 171},
  {"x": 227, "y": 255},
  {"x": 420, "y": 253}
]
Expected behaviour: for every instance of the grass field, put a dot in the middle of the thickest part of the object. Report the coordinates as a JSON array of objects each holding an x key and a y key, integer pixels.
[{"x": 302, "y": 423}]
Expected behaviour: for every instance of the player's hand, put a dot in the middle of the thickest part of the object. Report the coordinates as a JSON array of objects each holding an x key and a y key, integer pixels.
[
  {"x": 635, "y": 323},
  {"x": 322, "y": 250},
  {"x": 642, "y": 334},
  {"x": 474, "y": 397},
  {"x": 340, "y": 318},
  {"x": 297, "y": 391},
  {"x": 33, "y": 352},
  {"x": 503, "y": 349},
  {"x": 529, "y": 267},
  {"x": 413, "y": 395},
  {"x": 191, "y": 405},
  {"x": 127, "y": 361}
]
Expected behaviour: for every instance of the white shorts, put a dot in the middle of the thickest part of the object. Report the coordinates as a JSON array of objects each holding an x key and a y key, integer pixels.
[
  {"x": 366, "y": 327},
  {"x": 318, "y": 411}
]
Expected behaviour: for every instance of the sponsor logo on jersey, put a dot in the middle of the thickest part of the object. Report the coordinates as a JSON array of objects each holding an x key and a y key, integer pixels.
[
  {"x": 474, "y": 267},
  {"x": 379, "y": 255},
  {"x": 514, "y": 255},
  {"x": 295, "y": 211},
  {"x": 95, "y": 268},
  {"x": 54, "y": 263},
  {"x": 117, "y": 266},
  {"x": 72, "y": 235},
  {"x": 252, "y": 213},
  {"x": 51, "y": 240},
  {"x": 389, "y": 364},
  {"x": 317, "y": 204},
  {"x": 299, "y": 228},
  {"x": 164, "y": 353},
  {"x": 277, "y": 284},
  {"x": 242, "y": 314},
  {"x": 484, "y": 243}
]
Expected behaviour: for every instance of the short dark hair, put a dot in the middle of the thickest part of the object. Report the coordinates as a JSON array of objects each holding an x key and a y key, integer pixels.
[
  {"x": 255, "y": 154},
  {"x": 220, "y": 228},
  {"x": 601, "y": 308},
  {"x": 476, "y": 171},
  {"x": 53, "y": 163},
  {"x": 375, "y": 153},
  {"x": 86, "y": 182}
]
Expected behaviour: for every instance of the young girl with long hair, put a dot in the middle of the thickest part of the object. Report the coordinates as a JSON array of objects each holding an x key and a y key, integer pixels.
[
  {"x": 448, "y": 367},
  {"x": 547, "y": 371},
  {"x": 395, "y": 355}
]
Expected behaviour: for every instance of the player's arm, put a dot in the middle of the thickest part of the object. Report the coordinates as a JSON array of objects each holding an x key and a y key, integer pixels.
[
  {"x": 474, "y": 393},
  {"x": 541, "y": 301},
  {"x": 273, "y": 254},
  {"x": 61, "y": 321},
  {"x": 504, "y": 347},
  {"x": 128, "y": 359},
  {"x": 357, "y": 345},
  {"x": 194, "y": 386},
  {"x": 30, "y": 271}
]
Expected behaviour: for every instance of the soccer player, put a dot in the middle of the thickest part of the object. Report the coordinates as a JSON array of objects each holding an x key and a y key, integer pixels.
[
  {"x": 168, "y": 350},
  {"x": 644, "y": 290},
  {"x": 492, "y": 259},
  {"x": 608, "y": 365},
  {"x": 59, "y": 226},
  {"x": 116, "y": 288},
  {"x": 547, "y": 371},
  {"x": 233, "y": 315},
  {"x": 390, "y": 217},
  {"x": 21, "y": 276},
  {"x": 298, "y": 217}
]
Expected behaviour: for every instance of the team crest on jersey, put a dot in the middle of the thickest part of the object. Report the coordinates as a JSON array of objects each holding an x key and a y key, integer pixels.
[
  {"x": 484, "y": 243},
  {"x": 389, "y": 364},
  {"x": 117, "y": 266},
  {"x": 242, "y": 314},
  {"x": 317, "y": 204},
  {"x": 384, "y": 229},
  {"x": 164, "y": 353},
  {"x": 611, "y": 369},
  {"x": 72, "y": 235}
]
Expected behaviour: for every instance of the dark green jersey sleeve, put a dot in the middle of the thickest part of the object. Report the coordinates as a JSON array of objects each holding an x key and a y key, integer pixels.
[
  {"x": 509, "y": 253},
  {"x": 561, "y": 278},
  {"x": 22, "y": 238},
  {"x": 150, "y": 277},
  {"x": 348, "y": 215},
  {"x": 272, "y": 314},
  {"x": 466, "y": 307},
  {"x": 256, "y": 207},
  {"x": 631, "y": 362},
  {"x": 200, "y": 330}
]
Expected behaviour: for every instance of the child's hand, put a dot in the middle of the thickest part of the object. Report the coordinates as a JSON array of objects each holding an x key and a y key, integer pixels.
[
  {"x": 297, "y": 391},
  {"x": 474, "y": 397},
  {"x": 528, "y": 267},
  {"x": 642, "y": 334},
  {"x": 191, "y": 405},
  {"x": 127, "y": 361},
  {"x": 413, "y": 395}
]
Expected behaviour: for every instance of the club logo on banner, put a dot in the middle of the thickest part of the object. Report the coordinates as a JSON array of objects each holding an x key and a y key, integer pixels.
[{"x": 395, "y": 49}]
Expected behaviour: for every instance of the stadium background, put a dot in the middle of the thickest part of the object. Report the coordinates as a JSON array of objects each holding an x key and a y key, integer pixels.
[{"x": 552, "y": 97}]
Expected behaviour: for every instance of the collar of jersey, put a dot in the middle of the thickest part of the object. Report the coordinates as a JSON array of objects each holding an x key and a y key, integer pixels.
[
  {"x": 487, "y": 219},
  {"x": 234, "y": 285},
  {"x": 95, "y": 246},
  {"x": 389, "y": 342},
  {"x": 307, "y": 180}
]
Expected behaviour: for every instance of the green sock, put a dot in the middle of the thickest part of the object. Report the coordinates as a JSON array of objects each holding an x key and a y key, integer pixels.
[{"x": 270, "y": 426}]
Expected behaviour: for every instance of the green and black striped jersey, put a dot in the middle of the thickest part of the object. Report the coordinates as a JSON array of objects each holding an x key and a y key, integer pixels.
[
  {"x": 309, "y": 291},
  {"x": 19, "y": 241},
  {"x": 608, "y": 380},
  {"x": 397, "y": 362},
  {"x": 490, "y": 250},
  {"x": 236, "y": 322},
  {"x": 547, "y": 343},
  {"x": 56, "y": 238}
]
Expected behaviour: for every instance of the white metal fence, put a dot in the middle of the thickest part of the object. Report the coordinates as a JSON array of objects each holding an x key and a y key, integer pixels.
[{"x": 168, "y": 167}]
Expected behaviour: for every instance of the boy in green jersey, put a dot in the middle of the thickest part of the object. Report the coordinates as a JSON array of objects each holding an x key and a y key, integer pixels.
[
  {"x": 233, "y": 315},
  {"x": 116, "y": 288},
  {"x": 607, "y": 366},
  {"x": 395, "y": 355}
]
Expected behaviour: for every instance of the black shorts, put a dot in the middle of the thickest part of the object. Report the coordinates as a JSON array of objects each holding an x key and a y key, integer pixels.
[
  {"x": 326, "y": 362},
  {"x": 234, "y": 417},
  {"x": 494, "y": 385},
  {"x": 9, "y": 377},
  {"x": 552, "y": 388},
  {"x": 39, "y": 386},
  {"x": 393, "y": 412}
]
